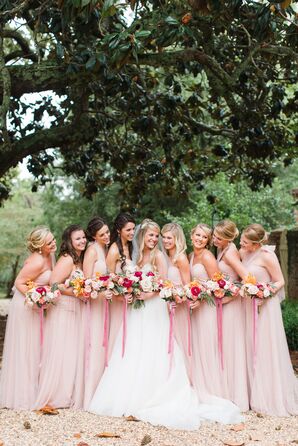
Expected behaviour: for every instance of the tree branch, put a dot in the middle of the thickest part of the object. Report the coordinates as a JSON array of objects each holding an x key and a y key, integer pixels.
[
  {"x": 22, "y": 42},
  {"x": 6, "y": 92}
]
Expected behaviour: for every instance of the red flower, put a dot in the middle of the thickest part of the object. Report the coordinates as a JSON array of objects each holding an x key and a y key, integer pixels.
[
  {"x": 195, "y": 290},
  {"x": 150, "y": 273},
  {"x": 221, "y": 283},
  {"x": 138, "y": 274},
  {"x": 260, "y": 286},
  {"x": 41, "y": 290},
  {"x": 127, "y": 283},
  {"x": 104, "y": 278}
]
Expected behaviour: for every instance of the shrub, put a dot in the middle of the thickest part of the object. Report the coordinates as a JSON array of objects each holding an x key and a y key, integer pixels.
[{"x": 290, "y": 318}]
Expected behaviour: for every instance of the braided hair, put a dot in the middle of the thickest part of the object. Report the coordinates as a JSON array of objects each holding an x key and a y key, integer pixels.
[{"x": 120, "y": 221}]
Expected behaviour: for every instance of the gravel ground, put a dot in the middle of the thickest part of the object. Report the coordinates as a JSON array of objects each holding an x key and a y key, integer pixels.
[{"x": 78, "y": 428}]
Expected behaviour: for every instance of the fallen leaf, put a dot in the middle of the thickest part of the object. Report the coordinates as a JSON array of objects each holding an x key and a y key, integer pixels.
[
  {"x": 293, "y": 441},
  {"x": 82, "y": 443},
  {"x": 233, "y": 443},
  {"x": 146, "y": 440},
  {"x": 131, "y": 418},
  {"x": 107, "y": 435},
  {"x": 77, "y": 435},
  {"x": 259, "y": 415},
  {"x": 48, "y": 410},
  {"x": 238, "y": 427},
  {"x": 278, "y": 428},
  {"x": 27, "y": 425}
]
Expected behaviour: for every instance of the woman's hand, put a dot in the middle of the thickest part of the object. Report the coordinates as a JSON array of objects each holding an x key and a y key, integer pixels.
[
  {"x": 227, "y": 299},
  {"x": 145, "y": 296},
  {"x": 193, "y": 305},
  {"x": 128, "y": 297}
]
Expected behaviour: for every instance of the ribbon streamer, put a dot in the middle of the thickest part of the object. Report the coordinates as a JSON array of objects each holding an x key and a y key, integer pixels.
[
  {"x": 106, "y": 329},
  {"x": 124, "y": 323},
  {"x": 255, "y": 330},
  {"x": 219, "y": 329},
  {"x": 171, "y": 336}
]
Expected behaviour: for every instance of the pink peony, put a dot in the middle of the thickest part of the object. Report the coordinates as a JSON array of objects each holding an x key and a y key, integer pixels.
[
  {"x": 41, "y": 290},
  {"x": 195, "y": 291},
  {"x": 127, "y": 283},
  {"x": 150, "y": 273},
  {"x": 221, "y": 283},
  {"x": 138, "y": 274}
]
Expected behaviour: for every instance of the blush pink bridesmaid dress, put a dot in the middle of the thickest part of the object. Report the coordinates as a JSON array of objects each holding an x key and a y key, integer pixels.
[
  {"x": 62, "y": 371},
  {"x": 207, "y": 378},
  {"x": 234, "y": 373},
  {"x": 273, "y": 384},
  {"x": 180, "y": 320},
  {"x": 22, "y": 352},
  {"x": 94, "y": 352}
]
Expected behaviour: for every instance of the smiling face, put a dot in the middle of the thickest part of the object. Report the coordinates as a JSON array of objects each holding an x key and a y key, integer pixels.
[
  {"x": 168, "y": 240},
  {"x": 151, "y": 238},
  {"x": 102, "y": 236},
  {"x": 49, "y": 245},
  {"x": 199, "y": 239},
  {"x": 78, "y": 240},
  {"x": 218, "y": 241},
  {"x": 127, "y": 232},
  {"x": 248, "y": 245}
]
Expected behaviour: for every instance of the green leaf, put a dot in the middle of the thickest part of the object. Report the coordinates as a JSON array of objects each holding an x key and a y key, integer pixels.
[
  {"x": 91, "y": 62},
  {"x": 59, "y": 50},
  {"x": 144, "y": 33},
  {"x": 172, "y": 21}
]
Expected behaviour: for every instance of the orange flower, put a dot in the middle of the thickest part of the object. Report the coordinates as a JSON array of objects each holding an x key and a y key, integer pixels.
[
  {"x": 250, "y": 279},
  {"x": 217, "y": 276},
  {"x": 30, "y": 284},
  {"x": 219, "y": 293},
  {"x": 167, "y": 284},
  {"x": 186, "y": 18}
]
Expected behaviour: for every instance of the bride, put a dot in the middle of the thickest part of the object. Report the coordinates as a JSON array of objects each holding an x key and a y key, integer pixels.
[{"x": 141, "y": 383}]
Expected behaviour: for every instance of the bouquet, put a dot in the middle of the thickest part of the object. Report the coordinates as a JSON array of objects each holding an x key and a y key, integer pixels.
[
  {"x": 197, "y": 291},
  {"x": 220, "y": 286},
  {"x": 148, "y": 283},
  {"x": 77, "y": 282},
  {"x": 253, "y": 289},
  {"x": 172, "y": 293},
  {"x": 41, "y": 296}
]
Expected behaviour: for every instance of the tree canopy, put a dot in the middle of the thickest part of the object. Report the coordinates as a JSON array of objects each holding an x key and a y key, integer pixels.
[{"x": 145, "y": 92}]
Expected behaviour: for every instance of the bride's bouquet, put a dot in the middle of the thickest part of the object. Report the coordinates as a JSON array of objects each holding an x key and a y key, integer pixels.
[
  {"x": 149, "y": 282},
  {"x": 42, "y": 295}
]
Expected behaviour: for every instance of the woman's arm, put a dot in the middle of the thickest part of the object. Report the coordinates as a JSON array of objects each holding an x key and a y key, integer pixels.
[
  {"x": 209, "y": 262},
  {"x": 272, "y": 265},
  {"x": 32, "y": 268},
  {"x": 232, "y": 258},
  {"x": 61, "y": 273},
  {"x": 90, "y": 258},
  {"x": 112, "y": 258},
  {"x": 184, "y": 268}
]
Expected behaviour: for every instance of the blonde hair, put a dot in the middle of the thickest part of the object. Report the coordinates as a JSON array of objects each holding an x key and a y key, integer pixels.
[
  {"x": 206, "y": 229},
  {"x": 145, "y": 226},
  {"x": 227, "y": 230},
  {"x": 37, "y": 238},
  {"x": 255, "y": 233},
  {"x": 179, "y": 238}
]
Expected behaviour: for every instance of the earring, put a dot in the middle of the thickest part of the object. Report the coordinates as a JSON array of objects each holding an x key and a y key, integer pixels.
[{"x": 39, "y": 251}]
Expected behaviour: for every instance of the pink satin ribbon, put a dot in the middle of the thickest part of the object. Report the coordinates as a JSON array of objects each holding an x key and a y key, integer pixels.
[
  {"x": 255, "y": 330},
  {"x": 219, "y": 329},
  {"x": 124, "y": 322},
  {"x": 106, "y": 328},
  {"x": 189, "y": 340},
  {"x": 41, "y": 322},
  {"x": 171, "y": 336},
  {"x": 87, "y": 337}
]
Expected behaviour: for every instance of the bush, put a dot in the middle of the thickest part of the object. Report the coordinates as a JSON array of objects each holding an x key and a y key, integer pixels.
[{"x": 290, "y": 318}]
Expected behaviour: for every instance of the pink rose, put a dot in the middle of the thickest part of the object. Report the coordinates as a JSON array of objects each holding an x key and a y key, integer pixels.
[
  {"x": 127, "y": 283},
  {"x": 150, "y": 273},
  {"x": 104, "y": 278},
  {"x": 138, "y": 274},
  {"x": 221, "y": 283},
  {"x": 195, "y": 291},
  {"x": 260, "y": 294},
  {"x": 41, "y": 290}
]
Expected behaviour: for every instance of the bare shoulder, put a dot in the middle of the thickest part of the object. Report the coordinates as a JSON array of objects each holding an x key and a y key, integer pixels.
[
  {"x": 207, "y": 256},
  {"x": 241, "y": 253},
  {"x": 182, "y": 260},
  {"x": 91, "y": 250},
  {"x": 113, "y": 250},
  {"x": 232, "y": 252},
  {"x": 34, "y": 260},
  {"x": 64, "y": 261}
]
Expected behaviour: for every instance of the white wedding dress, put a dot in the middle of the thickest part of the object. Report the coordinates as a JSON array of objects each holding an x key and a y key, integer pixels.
[{"x": 141, "y": 383}]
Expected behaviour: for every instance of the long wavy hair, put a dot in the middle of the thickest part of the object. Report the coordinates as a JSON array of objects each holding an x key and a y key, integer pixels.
[
  {"x": 146, "y": 226},
  {"x": 179, "y": 238},
  {"x": 66, "y": 247},
  {"x": 94, "y": 225},
  {"x": 120, "y": 221}
]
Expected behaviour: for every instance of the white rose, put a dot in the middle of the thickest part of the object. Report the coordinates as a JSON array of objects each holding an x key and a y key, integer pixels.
[
  {"x": 50, "y": 296},
  {"x": 87, "y": 289},
  {"x": 212, "y": 285},
  {"x": 111, "y": 285},
  {"x": 93, "y": 294},
  {"x": 266, "y": 292},
  {"x": 252, "y": 289},
  {"x": 95, "y": 285},
  {"x": 35, "y": 297},
  {"x": 88, "y": 282},
  {"x": 146, "y": 285}
]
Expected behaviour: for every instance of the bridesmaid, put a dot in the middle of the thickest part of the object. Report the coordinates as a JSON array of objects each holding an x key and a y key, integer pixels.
[
  {"x": 174, "y": 243},
  {"x": 273, "y": 385},
  {"x": 234, "y": 372},
  {"x": 118, "y": 258},
  {"x": 22, "y": 347},
  {"x": 61, "y": 373},
  {"x": 207, "y": 378},
  {"x": 95, "y": 262}
]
